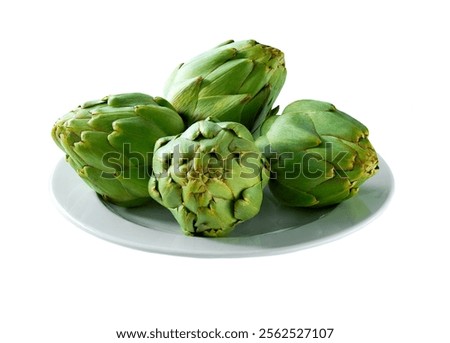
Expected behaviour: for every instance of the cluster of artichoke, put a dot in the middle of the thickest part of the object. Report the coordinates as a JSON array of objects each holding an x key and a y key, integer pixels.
[{"x": 209, "y": 147}]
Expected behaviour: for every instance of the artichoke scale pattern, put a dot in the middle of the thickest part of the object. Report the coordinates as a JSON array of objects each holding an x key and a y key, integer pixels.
[
  {"x": 236, "y": 81},
  {"x": 211, "y": 177},
  {"x": 109, "y": 142},
  {"x": 319, "y": 156}
]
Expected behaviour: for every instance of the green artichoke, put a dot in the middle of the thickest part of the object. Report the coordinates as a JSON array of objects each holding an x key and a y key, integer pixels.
[
  {"x": 109, "y": 142},
  {"x": 236, "y": 81},
  {"x": 211, "y": 177},
  {"x": 318, "y": 155}
]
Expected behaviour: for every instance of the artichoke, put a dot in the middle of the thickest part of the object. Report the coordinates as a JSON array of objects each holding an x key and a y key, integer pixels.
[
  {"x": 211, "y": 177},
  {"x": 236, "y": 81},
  {"x": 109, "y": 142},
  {"x": 318, "y": 155}
]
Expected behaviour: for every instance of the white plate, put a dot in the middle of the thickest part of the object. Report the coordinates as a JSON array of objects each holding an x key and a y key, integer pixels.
[{"x": 276, "y": 229}]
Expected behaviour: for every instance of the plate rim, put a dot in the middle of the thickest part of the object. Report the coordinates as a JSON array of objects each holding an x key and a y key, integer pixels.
[{"x": 211, "y": 242}]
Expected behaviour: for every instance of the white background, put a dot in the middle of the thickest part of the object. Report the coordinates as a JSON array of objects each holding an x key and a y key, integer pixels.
[{"x": 385, "y": 62}]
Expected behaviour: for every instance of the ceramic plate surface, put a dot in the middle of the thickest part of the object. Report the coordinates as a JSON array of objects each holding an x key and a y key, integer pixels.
[{"x": 276, "y": 229}]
